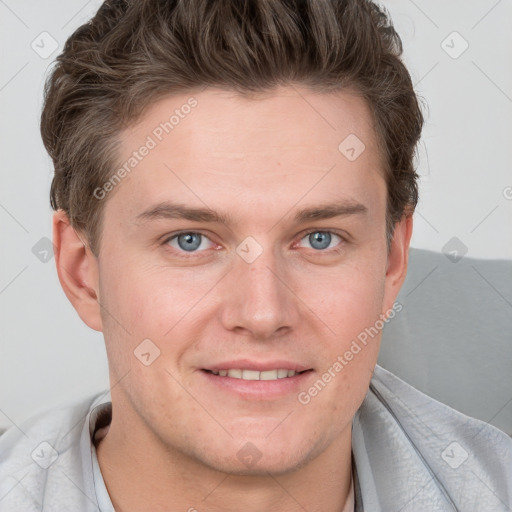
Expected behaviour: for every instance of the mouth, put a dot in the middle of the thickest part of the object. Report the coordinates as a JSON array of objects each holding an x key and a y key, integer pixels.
[
  {"x": 247, "y": 374},
  {"x": 249, "y": 380}
]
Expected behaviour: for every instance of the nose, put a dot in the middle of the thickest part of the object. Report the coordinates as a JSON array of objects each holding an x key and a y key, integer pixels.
[{"x": 258, "y": 300}]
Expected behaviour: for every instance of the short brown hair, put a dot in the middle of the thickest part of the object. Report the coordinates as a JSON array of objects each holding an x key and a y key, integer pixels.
[{"x": 134, "y": 52}]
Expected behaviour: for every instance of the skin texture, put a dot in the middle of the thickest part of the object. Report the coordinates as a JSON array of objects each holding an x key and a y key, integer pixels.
[{"x": 176, "y": 439}]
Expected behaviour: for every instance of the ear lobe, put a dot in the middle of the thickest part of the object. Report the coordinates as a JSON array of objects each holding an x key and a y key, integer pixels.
[
  {"x": 398, "y": 259},
  {"x": 77, "y": 268}
]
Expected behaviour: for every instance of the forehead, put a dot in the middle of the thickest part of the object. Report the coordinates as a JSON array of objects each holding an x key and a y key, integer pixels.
[
  {"x": 283, "y": 115},
  {"x": 213, "y": 146}
]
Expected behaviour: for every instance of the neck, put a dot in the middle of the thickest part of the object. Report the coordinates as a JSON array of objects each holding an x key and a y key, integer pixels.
[{"x": 139, "y": 470}]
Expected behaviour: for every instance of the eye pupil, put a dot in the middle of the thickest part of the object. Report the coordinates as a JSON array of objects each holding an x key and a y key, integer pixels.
[
  {"x": 320, "y": 239},
  {"x": 189, "y": 241}
]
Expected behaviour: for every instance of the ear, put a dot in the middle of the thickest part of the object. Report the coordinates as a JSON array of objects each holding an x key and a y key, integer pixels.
[
  {"x": 77, "y": 268},
  {"x": 398, "y": 258}
]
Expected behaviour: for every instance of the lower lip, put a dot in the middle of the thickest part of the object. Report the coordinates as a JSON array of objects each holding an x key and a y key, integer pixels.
[{"x": 259, "y": 389}]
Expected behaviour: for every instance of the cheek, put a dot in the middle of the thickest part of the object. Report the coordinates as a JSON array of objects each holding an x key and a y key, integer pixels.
[
  {"x": 164, "y": 305},
  {"x": 149, "y": 300},
  {"x": 350, "y": 303},
  {"x": 349, "y": 299},
  {"x": 351, "y": 309}
]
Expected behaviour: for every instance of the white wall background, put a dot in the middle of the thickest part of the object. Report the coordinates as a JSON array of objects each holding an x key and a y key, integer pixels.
[{"x": 48, "y": 356}]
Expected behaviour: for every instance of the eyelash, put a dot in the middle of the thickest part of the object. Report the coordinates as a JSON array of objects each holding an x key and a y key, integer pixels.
[{"x": 335, "y": 250}]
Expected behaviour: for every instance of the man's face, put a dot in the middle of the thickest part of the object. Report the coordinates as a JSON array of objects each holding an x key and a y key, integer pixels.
[{"x": 263, "y": 289}]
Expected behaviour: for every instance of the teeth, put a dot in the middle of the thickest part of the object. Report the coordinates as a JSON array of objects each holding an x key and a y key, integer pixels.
[
  {"x": 237, "y": 373},
  {"x": 250, "y": 375}
]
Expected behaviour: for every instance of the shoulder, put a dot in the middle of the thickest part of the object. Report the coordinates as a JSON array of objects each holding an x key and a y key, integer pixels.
[
  {"x": 464, "y": 462},
  {"x": 42, "y": 456},
  {"x": 421, "y": 412}
]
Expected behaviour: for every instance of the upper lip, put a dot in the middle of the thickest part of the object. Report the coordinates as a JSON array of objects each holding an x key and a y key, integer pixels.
[{"x": 260, "y": 366}]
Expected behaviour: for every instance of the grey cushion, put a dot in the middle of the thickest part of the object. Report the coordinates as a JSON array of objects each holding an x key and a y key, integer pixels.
[{"x": 452, "y": 339}]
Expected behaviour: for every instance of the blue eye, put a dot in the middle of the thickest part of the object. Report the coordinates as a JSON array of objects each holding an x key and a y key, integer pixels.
[
  {"x": 193, "y": 242},
  {"x": 320, "y": 240},
  {"x": 188, "y": 242}
]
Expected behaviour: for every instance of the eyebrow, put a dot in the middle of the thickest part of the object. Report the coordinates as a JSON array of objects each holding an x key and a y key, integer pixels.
[{"x": 169, "y": 210}]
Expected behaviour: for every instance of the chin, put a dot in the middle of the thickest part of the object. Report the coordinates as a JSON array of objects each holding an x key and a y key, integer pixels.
[
  {"x": 259, "y": 455},
  {"x": 262, "y": 468}
]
